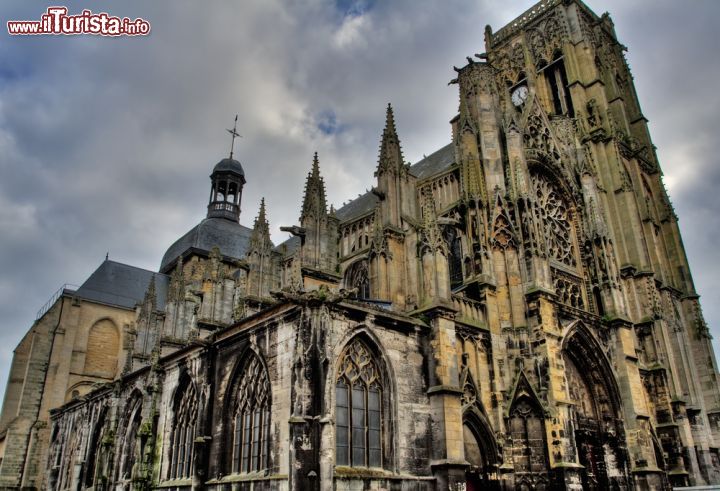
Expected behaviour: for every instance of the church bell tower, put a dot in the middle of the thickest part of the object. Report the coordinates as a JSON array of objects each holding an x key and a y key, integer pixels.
[{"x": 228, "y": 179}]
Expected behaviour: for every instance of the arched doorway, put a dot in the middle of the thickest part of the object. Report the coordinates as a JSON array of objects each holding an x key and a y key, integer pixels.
[
  {"x": 481, "y": 452},
  {"x": 596, "y": 411},
  {"x": 588, "y": 428}
]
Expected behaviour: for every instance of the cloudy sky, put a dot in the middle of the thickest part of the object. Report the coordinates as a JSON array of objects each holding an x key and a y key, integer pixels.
[{"x": 106, "y": 144}]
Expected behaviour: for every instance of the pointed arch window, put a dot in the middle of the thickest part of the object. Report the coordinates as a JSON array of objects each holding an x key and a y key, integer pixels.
[
  {"x": 359, "y": 408},
  {"x": 557, "y": 81},
  {"x": 183, "y": 434},
  {"x": 72, "y": 442},
  {"x": 94, "y": 453},
  {"x": 455, "y": 256},
  {"x": 357, "y": 276},
  {"x": 251, "y": 419},
  {"x": 131, "y": 444}
]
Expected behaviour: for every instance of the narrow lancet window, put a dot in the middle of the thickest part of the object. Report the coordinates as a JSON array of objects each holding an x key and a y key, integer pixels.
[{"x": 183, "y": 436}]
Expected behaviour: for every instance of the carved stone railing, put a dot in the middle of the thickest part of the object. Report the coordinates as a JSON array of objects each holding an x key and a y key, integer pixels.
[
  {"x": 223, "y": 209},
  {"x": 469, "y": 311},
  {"x": 522, "y": 20}
]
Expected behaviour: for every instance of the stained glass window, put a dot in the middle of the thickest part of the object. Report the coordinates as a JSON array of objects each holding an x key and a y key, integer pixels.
[
  {"x": 251, "y": 420},
  {"x": 358, "y": 409},
  {"x": 181, "y": 459}
]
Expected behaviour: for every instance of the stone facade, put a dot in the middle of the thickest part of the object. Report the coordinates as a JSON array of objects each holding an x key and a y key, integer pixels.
[
  {"x": 73, "y": 347},
  {"x": 515, "y": 311}
]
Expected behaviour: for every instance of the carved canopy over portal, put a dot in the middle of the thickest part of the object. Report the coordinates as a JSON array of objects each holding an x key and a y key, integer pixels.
[
  {"x": 596, "y": 409},
  {"x": 591, "y": 382}
]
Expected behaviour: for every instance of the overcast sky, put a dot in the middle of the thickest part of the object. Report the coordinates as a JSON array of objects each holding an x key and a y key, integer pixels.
[{"x": 106, "y": 144}]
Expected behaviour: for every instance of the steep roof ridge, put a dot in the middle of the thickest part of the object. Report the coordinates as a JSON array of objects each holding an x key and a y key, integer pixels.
[{"x": 431, "y": 165}]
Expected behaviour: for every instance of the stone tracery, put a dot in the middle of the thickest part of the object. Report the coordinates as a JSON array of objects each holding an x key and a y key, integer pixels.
[
  {"x": 130, "y": 446},
  {"x": 357, "y": 277},
  {"x": 359, "y": 408},
  {"x": 251, "y": 418},
  {"x": 556, "y": 220},
  {"x": 184, "y": 432}
]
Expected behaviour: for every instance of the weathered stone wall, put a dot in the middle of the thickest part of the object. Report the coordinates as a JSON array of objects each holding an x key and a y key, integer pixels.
[
  {"x": 52, "y": 367},
  {"x": 282, "y": 340}
]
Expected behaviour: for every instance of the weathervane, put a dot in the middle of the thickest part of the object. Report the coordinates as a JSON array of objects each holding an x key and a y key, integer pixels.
[{"x": 234, "y": 133}]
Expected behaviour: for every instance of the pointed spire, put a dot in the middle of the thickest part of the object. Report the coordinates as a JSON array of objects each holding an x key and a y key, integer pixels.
[
  {"x": 177, "y": 282},
  {"x": 150, "y": 300},
  {"x": 315, "y": 167},
  {"x": 391, "y": 158},
  {"x": 260, "y": 237},
  {"x": 314, "y": 202},
  {"x": 390, "y": 120},
  {"x": 430, "y": 234},
  {"x": 261, "y": 218}
]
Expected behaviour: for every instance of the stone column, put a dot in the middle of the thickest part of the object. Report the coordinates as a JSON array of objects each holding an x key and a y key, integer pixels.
[{"x": 448, "y": 451}]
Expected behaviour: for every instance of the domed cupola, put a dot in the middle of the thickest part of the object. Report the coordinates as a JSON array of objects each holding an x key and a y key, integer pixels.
[{"x": 228, "y": 179}]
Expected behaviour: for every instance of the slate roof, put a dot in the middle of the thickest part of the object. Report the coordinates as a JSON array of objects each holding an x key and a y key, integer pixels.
[
  {"x": 434, "y": 163},
  {"x": 122, "y": 285},
  {"x": 289, "y": 247},
  {"x": 231, "y": 237},
  {"x": 357, "y": 207},
  {"x": 229, "y": 165},
  {"x": 431, "y": 165}
]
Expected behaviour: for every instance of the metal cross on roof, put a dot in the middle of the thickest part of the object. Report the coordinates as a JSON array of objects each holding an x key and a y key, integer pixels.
[{"x": 234, "y": 133}]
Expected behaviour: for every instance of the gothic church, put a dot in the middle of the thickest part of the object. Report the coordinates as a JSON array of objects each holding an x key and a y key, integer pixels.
[{"x": 513, "y": 312}]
